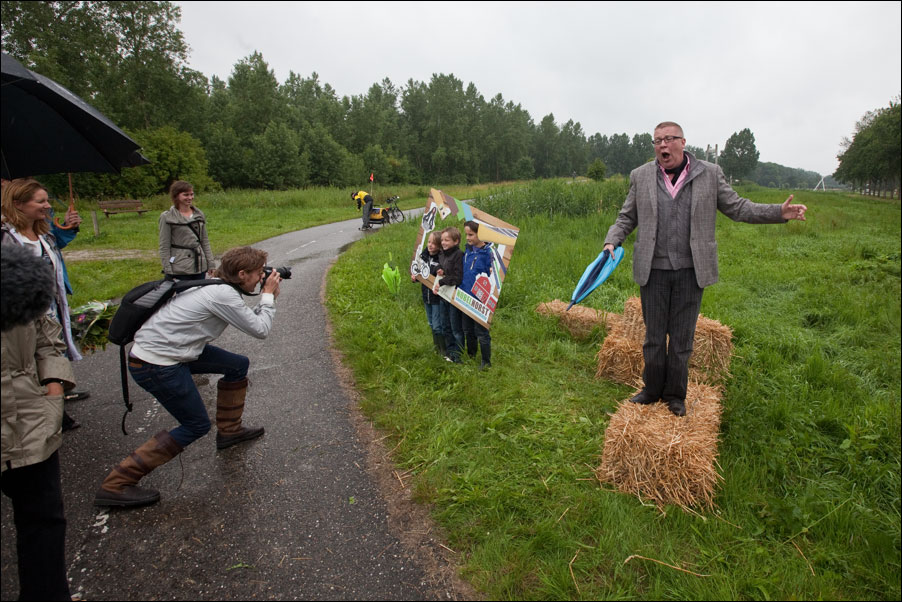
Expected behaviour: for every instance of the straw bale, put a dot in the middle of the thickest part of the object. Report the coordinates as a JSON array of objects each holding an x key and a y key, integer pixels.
[
  {"x": 631, "y": 324},
  {"x": 579, "y": 321},
  {"x": 711, "y": 352},
  {"x": 620, "y": 360},
  {"x": 650, "y": 453},
  {"x": 612, "y": 321}
]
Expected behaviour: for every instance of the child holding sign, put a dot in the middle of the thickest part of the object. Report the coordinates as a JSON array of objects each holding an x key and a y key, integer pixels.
[
  {"x": 431, "y": 301},
  {"x": 477, "y": 260},
  {"x": 450, "y": 274}
]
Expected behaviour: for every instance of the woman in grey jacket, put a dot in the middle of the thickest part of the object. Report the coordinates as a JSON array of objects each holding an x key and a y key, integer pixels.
[{"x": 184, "y": 247}]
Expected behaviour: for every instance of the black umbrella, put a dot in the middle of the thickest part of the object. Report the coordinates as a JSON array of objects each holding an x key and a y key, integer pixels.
[{"x": 47, "y": 129}]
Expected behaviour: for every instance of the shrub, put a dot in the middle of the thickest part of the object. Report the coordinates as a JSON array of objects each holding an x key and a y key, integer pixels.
[{"x": 597, "y": 170}]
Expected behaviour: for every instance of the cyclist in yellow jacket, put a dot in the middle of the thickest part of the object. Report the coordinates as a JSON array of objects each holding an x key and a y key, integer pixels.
[{"x": 364, "y": 200}]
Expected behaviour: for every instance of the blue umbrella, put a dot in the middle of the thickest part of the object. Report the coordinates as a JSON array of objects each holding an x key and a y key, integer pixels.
[{"x": 597, "y": 272}]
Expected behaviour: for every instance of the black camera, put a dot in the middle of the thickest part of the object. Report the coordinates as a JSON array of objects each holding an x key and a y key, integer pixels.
[{"x": 284, "y": 272}]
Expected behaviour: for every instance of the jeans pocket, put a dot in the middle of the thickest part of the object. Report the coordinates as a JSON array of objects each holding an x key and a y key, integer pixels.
[{"x": 141, "y": 375}]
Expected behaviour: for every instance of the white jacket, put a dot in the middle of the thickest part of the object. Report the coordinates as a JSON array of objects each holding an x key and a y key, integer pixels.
[{"x": 178, "y": 331}]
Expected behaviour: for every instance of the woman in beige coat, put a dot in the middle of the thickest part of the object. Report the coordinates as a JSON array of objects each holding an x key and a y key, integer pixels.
[
  {"x": 184, "y": 247},
  {"x": 34, "y": 371}
]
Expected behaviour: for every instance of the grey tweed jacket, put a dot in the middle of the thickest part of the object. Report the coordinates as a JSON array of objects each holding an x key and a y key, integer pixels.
[{"x": 710, "y": 193}]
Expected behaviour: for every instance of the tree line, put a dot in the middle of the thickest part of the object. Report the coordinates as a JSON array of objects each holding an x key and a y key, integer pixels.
[
  {"x": 251, "y": 131},
  {"x": 774, "y": 175},
  {"x": 872, "y": 160}
]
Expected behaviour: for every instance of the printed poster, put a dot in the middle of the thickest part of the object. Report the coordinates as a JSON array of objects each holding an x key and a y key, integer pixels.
[{"x": 442, "y": 211}]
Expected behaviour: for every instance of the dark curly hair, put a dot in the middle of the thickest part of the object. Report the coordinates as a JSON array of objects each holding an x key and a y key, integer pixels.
[{"x": 26, "y": 286}]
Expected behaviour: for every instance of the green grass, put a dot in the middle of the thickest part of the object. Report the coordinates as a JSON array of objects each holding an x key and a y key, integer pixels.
[{"x": 810, "y": 448}]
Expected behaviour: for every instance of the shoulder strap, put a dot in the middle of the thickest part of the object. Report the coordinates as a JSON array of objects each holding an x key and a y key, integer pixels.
[
  {"x": 190, "y": 226},
  {"x": 183, "y": 285},
  {"x": 123, "y": 373}
]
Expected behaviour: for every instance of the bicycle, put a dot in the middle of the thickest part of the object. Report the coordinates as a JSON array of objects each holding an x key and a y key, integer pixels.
[{"x": 388, "y": 213}]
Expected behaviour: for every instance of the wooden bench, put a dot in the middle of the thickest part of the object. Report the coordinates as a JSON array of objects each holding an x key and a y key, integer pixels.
[{"x": 122, "y": 206}]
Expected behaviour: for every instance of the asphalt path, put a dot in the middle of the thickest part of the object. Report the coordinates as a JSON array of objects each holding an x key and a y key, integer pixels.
[{"x": 298, "y": 514}]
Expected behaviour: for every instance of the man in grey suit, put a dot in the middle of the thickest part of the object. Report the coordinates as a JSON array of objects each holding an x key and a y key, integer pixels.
[{"x": 674, "y": 202}]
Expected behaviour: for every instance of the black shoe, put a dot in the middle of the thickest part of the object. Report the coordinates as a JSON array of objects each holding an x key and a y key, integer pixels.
[
  {"x": 644, "y": 397},
  {"x": 132, "y": 496},
  {"x": 69, "y": 423},
  {"x": 76, "y": 395},
  {"x": 677, "y": 406},
  {"x": 485, "y": 365},
  {"x": 245, "y": 434}
]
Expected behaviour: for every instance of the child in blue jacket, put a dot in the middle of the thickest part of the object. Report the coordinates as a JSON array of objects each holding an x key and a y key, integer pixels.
[{"x": 477, "y": 260}]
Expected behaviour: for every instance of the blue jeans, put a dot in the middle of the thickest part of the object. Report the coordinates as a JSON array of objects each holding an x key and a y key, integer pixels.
[
  {"x": 174, "y": 388},
  {"x": 434, "y": 317},
  {"x": 452, "y": 329},
  {"x": 473, "y": 332}
]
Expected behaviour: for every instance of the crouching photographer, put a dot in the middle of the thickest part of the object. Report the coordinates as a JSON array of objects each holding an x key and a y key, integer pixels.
[{"x": 174, "y": 344}]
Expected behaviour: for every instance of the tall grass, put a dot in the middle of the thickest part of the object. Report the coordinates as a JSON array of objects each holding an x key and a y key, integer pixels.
[
  {"x": 810, "y": 452},
  {"x": 553, "y": 198}
]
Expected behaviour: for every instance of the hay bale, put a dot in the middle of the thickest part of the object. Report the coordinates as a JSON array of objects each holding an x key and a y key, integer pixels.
[
  {"x": 621, "y": 360},
  {"x": 650, "y": 453},
  {"x": 711, "y": 352},
  {"x": 631, "y": 324},
  {"x": 579, "y": 321}
]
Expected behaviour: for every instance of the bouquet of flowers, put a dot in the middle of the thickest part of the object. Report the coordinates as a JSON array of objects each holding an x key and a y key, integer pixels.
[{"x": 91, "y": 325}]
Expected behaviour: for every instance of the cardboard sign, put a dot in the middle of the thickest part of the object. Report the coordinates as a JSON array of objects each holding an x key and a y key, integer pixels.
[{"x": 443, "y": 211}]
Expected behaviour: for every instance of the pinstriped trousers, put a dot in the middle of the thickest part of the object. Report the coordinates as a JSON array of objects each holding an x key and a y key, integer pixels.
[{"x": 671, "y": 300}]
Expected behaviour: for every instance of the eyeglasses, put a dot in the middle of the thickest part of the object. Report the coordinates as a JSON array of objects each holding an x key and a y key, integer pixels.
[{"x": 667, "y": 139}]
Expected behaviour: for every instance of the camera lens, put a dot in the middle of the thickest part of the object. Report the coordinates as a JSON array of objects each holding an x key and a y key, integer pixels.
[{"x": 284, "y": 272}]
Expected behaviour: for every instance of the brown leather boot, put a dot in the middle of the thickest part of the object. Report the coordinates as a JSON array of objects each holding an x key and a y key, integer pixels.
[
  {"x": 229, "y": 408},
  {"x": 120, "y": 488}
]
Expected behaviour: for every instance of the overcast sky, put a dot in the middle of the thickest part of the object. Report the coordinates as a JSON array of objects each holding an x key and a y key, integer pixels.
[{"x": 799, "y": 75}]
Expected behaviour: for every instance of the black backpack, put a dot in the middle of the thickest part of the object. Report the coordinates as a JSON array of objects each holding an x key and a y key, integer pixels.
[{"x": 137, "y": 306}]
